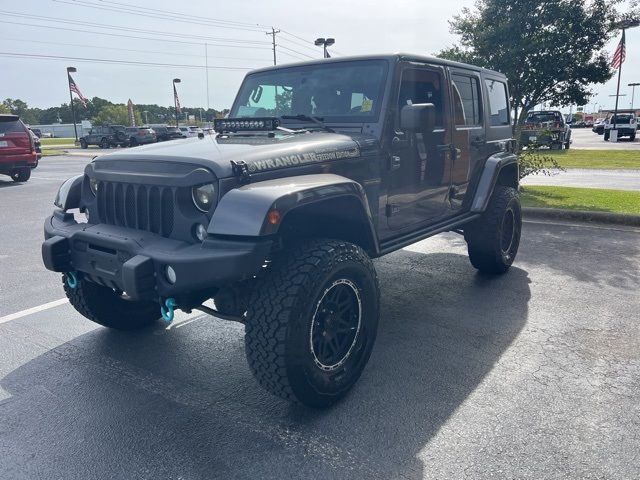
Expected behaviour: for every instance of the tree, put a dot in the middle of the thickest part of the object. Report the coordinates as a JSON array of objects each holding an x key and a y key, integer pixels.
[
  {"x": 551, "y": 51},
  {"x": 116, "y": 114}
]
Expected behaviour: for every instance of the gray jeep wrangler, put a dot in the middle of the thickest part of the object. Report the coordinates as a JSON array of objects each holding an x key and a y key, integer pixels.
[{"x": 320, "y": 167}]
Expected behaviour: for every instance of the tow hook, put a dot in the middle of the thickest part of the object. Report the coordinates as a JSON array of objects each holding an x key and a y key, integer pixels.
[
  {"x": 72, "y": 279},
  {"x": 168, "y": 309}
]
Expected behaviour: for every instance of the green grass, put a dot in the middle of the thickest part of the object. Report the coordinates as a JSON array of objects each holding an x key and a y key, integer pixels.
[
  {"x": 600, "y": 159},
  {"x": 56, "y": 141},
  {"x": 589, "y": 199},
  {"x": 49, "y": 152}
]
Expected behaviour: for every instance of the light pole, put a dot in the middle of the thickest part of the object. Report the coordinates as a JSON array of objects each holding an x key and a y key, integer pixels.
[
  {"x": 175, "y": 98},
  {"x": 633, "y": 91},
  {"x": 71, "y": 70},
  {"x": 146, "y": 117},
  {"x": 325, "y": 42}
]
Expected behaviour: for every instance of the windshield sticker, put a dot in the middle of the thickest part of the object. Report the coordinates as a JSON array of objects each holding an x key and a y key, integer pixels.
[
  {"x": 367, "y": 105},
  {"x": 302, "y": 159}
]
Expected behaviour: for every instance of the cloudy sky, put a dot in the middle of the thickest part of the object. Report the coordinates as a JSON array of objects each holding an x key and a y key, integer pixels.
[{"x": 234, "y": 32}]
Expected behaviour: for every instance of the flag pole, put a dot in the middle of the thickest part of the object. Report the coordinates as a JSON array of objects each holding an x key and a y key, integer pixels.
[
  {"x": 615, "y": 110},
  {"x": 73, "y": 109}
]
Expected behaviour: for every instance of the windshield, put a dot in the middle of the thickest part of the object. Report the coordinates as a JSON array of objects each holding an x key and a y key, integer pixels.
[
  {"x": 621, "y": 118},
  {"x": 339, "y": 92}
]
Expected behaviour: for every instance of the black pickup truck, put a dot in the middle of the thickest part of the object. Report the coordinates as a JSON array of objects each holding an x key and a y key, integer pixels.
[{"x": 320, "y": 168}]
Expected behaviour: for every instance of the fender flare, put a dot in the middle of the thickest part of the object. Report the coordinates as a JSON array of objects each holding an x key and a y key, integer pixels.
[
  {"x": 244, "y": 211},
  {"x": 69, "y": 193},
  {"x": 490, "y": 173}
]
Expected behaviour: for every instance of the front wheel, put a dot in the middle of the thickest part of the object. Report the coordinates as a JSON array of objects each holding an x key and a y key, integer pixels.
[
  {"x": 493, "y": 239},
  {"x": 606, "y": 136},
  {"x": 83, "y": 144},
  {"x": 312, "y": 321},
  {"x": 104, "y": 143},
  {"x": 107, "y": 307}
]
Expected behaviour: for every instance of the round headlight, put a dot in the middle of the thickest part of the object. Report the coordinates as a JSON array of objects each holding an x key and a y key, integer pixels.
[
  {"x": 203, "y": 196},
  {"x": 93, "y": 185}
]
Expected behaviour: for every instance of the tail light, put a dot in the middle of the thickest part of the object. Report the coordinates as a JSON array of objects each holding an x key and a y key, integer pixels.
[
  {"x": 141, "y": 133},
  {"x": 32, "y": 143}
]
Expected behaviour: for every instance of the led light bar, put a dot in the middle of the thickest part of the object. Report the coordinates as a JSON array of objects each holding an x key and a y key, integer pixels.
[{"x": 221, "y": 125}]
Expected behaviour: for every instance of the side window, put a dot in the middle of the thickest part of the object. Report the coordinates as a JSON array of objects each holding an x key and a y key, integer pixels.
[
  {"x": 467, "y": 92},
  {"x": 498, "y": 102},
  {"x": 422, "y": 86}
]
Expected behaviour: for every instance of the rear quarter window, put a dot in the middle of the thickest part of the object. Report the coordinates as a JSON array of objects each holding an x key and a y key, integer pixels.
[{"x": 498, "y": 102}]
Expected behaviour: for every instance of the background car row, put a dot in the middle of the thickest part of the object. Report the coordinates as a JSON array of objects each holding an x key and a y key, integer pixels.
[{"x": 107, "y": 136}]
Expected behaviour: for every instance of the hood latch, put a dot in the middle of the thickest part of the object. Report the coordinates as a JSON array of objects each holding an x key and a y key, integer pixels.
[{"x": 241, "y": 170}]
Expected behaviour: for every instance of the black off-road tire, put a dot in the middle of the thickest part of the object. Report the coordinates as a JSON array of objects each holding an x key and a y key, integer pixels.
[
  {"x": 284, "y": 316},
  {"x": 21, "y": 174},
  {"x": 132, "y": 142},
  {"x": 632, "y": 137},
  {"x": 106, "y": 307},
  {"x": 83, "y": 144},
  {"x": 104, "y": 143},
  {"x": 493, "y": 239},
  {"x": 606, "y": 135}
]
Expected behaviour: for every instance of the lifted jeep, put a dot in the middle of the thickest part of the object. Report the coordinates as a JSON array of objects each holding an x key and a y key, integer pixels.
[{"x": 321, "y": 167}]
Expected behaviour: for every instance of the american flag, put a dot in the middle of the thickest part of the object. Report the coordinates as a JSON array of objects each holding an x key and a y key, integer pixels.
[
  {"x": 620, "y": 53},
  {"x": 74, "y": 88},
  {"x": 176, "y": 99}
]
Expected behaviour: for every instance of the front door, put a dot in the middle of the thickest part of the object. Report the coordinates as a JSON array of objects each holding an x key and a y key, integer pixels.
[{"x": 420, "y": 165}]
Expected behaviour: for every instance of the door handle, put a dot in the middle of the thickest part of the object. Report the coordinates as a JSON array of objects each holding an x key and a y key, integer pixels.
[{"x": 394, "y": 162}]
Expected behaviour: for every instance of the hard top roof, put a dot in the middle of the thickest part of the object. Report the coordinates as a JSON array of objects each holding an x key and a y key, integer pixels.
[{"x": 388, "y": 57}]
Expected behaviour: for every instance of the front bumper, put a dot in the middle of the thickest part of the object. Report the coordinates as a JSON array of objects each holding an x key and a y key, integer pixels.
[{"x": 134, "y": 261}]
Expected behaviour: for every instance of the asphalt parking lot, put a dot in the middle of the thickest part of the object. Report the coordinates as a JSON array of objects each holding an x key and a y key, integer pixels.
[
  {"x": 584, "y": 138},
  {"x": 530, "y": 375}
]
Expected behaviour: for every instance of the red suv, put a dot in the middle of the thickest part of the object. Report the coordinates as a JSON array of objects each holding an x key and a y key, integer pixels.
[{"x": 17, "y": 149}]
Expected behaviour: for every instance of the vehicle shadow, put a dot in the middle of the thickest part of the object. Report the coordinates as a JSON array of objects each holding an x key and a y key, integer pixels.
[{"x": 182, "y": 403}]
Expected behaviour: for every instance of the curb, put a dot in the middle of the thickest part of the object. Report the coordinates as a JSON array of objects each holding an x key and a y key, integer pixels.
[{"x": 582, "y": 216}]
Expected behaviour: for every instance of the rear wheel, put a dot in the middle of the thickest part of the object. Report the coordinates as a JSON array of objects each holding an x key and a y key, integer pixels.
[
  {"x": 312, "y": 322},
  {"x": 21, "y": 174},
  {"x": 493, "y": 239},
  {"x": 606, "y": 135},
  {"x": 133, "y": 142},
  {"x": 109, "y": 308}
]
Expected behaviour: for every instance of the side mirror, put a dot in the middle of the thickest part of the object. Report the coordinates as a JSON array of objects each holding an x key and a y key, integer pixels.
[{"x": 419, "y": 117}]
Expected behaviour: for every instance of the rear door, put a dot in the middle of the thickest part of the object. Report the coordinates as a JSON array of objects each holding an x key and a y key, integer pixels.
[
  {"x": 469, "y": 137},
  {"x": 14, "y": 136}
]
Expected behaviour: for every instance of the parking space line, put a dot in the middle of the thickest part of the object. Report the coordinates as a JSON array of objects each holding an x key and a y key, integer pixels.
[{"x": 29, "y": 311}]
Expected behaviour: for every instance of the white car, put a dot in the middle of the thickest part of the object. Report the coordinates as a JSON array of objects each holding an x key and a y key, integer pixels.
[
  {"x": 188, "y": 132},
  {"x": 625, "y": 124}
]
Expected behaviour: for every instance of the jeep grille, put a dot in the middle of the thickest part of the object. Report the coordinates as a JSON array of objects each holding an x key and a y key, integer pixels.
[{"x": 144, "y": 207}]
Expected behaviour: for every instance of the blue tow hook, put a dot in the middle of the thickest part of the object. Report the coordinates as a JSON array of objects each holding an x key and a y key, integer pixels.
[
  {"x": 72, "y": 279},
  {"x": 168, "y": 309}
]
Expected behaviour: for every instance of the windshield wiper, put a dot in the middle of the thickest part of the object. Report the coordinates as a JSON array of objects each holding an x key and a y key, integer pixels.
[{"x": 308, "y": 118}]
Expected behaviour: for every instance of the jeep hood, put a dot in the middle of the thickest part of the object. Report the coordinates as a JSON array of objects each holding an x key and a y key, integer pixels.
[{"x": 261, "y": 153}]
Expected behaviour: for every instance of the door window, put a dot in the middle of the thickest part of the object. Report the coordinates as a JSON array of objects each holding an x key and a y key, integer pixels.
[
  {"x": 422, "y": 86},
  {"x": 467, "y": 105}
]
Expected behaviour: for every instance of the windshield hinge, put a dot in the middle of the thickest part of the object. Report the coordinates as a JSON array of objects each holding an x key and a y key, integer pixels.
[{"x": 241, "y": 170}]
